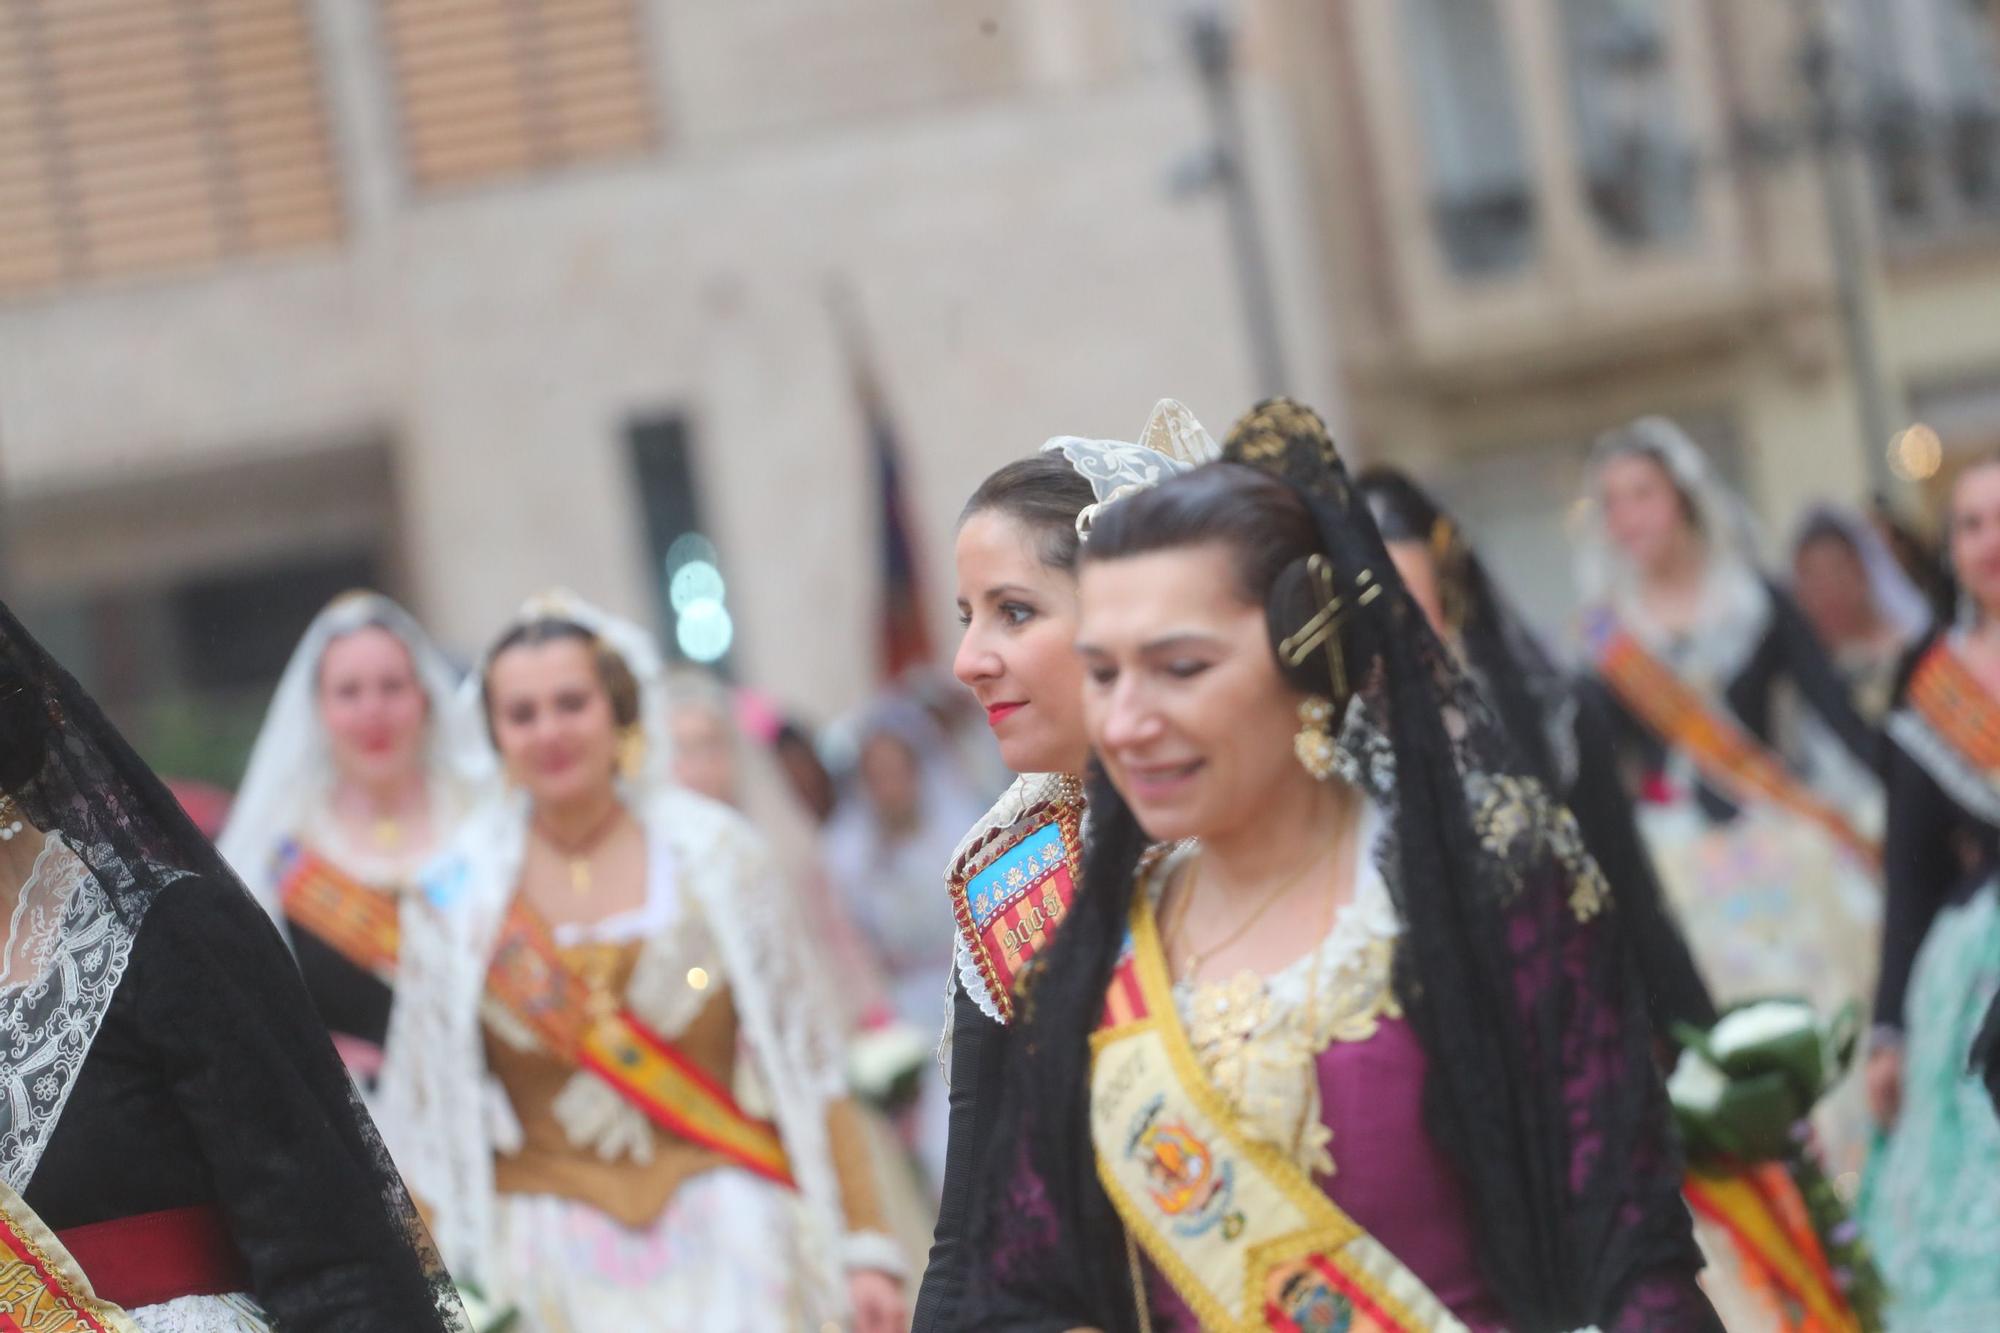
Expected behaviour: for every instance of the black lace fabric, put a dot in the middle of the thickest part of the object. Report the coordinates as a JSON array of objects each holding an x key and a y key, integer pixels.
[
  {"x": 1542, "y": 1088},
  {"x": 156, "y": 1041}
]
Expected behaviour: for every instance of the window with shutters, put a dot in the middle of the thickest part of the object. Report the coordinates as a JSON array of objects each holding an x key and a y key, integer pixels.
[
  {"x": 493, "y": 89},
  {"x": 144, "y": 136}
]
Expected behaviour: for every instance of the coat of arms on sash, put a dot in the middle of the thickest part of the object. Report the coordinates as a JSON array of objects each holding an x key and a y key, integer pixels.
[{"x": 1011, "y": 889}]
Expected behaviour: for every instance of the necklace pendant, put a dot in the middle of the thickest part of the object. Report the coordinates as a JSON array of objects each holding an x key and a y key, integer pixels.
[
  {"x": 388, "y": 833},
  {"x": 579, "y": 876}
]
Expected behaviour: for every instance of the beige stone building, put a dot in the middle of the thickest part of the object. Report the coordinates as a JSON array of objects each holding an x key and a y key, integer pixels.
[
  {"x": 468, "y": 297},
  {"x": 471, "y": 297},
  {"x": 1542, "y": 217}
]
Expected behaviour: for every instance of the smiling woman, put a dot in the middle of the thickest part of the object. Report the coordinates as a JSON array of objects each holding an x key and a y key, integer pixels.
[
  {"x": 614, "y": 957},
  {"x": 1337, "y": 1030},
  {"x": 1018, "y": 541},
  {"x": 352, "y": 786}
]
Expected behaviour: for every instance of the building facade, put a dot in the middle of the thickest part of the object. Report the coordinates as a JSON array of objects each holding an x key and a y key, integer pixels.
[
  {"x": 1544, "y": 217},
  {"x": 467, "y": 298}
]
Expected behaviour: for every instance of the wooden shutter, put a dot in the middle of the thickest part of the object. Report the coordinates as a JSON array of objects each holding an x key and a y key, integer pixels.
[{"x": 138, "y": 136}]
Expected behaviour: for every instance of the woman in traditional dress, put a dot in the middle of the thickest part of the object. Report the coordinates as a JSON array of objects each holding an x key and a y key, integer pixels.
[
  {"x": 351, "y": 788},
  {"x": 1861, "y": 605},
  {"x": 1347, "y": 1047},
  {"x": 1560, "y": 728},
  {"x": 1753, "y": 771},
  {"x": 1932, "y": 1208},
  {"x": 601, "y": 1013},
  {"x": 180, "y": 1150},
  {"x": 714, "y": 757},
  {"x": 1016, "y": 555},
  {"x": 904, "y": 811}
]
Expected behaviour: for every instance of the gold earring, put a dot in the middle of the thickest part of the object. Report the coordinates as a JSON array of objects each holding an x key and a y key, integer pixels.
[
  {"x": 631, "y": 752},
  {"x": 1314, "y": 744}
]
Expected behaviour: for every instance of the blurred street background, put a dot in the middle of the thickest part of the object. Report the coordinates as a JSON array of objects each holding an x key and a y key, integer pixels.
[{"x": 716, "y": 310}]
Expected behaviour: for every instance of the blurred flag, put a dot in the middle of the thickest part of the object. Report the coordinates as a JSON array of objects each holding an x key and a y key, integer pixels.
[{"x": 903, "y": 631}]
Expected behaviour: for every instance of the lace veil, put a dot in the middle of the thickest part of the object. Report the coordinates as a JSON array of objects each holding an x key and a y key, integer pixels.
[
  {"x": 291, "y": 769},
  {"x": 92, "y": 840}
]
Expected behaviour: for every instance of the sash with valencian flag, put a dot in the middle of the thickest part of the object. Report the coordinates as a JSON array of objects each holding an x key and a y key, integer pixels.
[
  {"x": 1728, "y": 756},
  {"x": 1247, "y": 1238},
  {"x": 358, "y": 922},
  {"x": 41, "y": 1288},
  {"x": 530, "y": 980},
  {"x": 1960, "y": 709},
  {"x": 1012, "y": 888}
]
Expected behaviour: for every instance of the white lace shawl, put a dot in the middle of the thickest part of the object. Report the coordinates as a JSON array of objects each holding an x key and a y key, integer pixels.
[
  {"x": 444, "y": 1117},
  {"x": 66, "y": 951}
]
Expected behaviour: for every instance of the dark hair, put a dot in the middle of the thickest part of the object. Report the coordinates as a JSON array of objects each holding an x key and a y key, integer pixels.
[
  {"x": 1256, "y": 518},
  {"x": 1824, "y": 527},
  {"x": 1405, "y": 512},
  {"x": 1044, "y": 494},
  {"x": 1475, "y": 918},
  {"x": 620, "y": 685}
]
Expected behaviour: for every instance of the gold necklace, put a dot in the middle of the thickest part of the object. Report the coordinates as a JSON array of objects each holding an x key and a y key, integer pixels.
[
  {"x": 1192, "y": 959},
  {"x": 580, "y": 853}
]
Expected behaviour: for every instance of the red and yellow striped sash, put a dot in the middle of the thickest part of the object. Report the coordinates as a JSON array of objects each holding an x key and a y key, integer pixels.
[
  {"x": 529, "y": 978},
  {"x": 1728, "y": 756},
  {"x": 1767, "y": 1221}
]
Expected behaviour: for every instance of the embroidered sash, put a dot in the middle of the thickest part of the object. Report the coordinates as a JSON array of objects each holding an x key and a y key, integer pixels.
[
  {"x": 1765, "y": 1217},
  {"x": 1959, "y": 708},
  {"x": 359, "y": 923},
  {"x": 1249, "y": 1241},
  {"x": 530, "y": 980},
  {"x": 42, "y": 1290},
  {"x": 1727, "y": 756},
  {"x": 1011, "y": 889}
]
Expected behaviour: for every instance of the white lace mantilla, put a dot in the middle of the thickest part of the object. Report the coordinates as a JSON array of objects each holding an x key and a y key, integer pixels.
[{"x": 66, "y": 952}]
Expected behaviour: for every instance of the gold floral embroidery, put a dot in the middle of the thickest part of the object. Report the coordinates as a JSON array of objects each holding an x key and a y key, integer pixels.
[
  {"x": 1260, "y": 1052},
  {"x": 1518, "y": 823}
]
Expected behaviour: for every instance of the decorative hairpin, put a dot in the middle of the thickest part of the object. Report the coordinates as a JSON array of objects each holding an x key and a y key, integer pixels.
[{"x": 1323, "y": 630}]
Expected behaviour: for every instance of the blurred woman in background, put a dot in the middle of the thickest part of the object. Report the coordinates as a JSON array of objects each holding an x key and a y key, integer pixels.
[
  {"x": 1932, "y": 1208},
  {"x": 903, "y": 813},
  {"x": 614, "y": 1074},
  {"x": 1864, "y": 609},
  {"x": 353, "y": 784},
  {"x": 1752, "y": 768}
]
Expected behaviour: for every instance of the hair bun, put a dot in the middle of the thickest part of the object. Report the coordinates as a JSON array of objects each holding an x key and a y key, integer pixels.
[{"x": 1284, "y": 437}]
